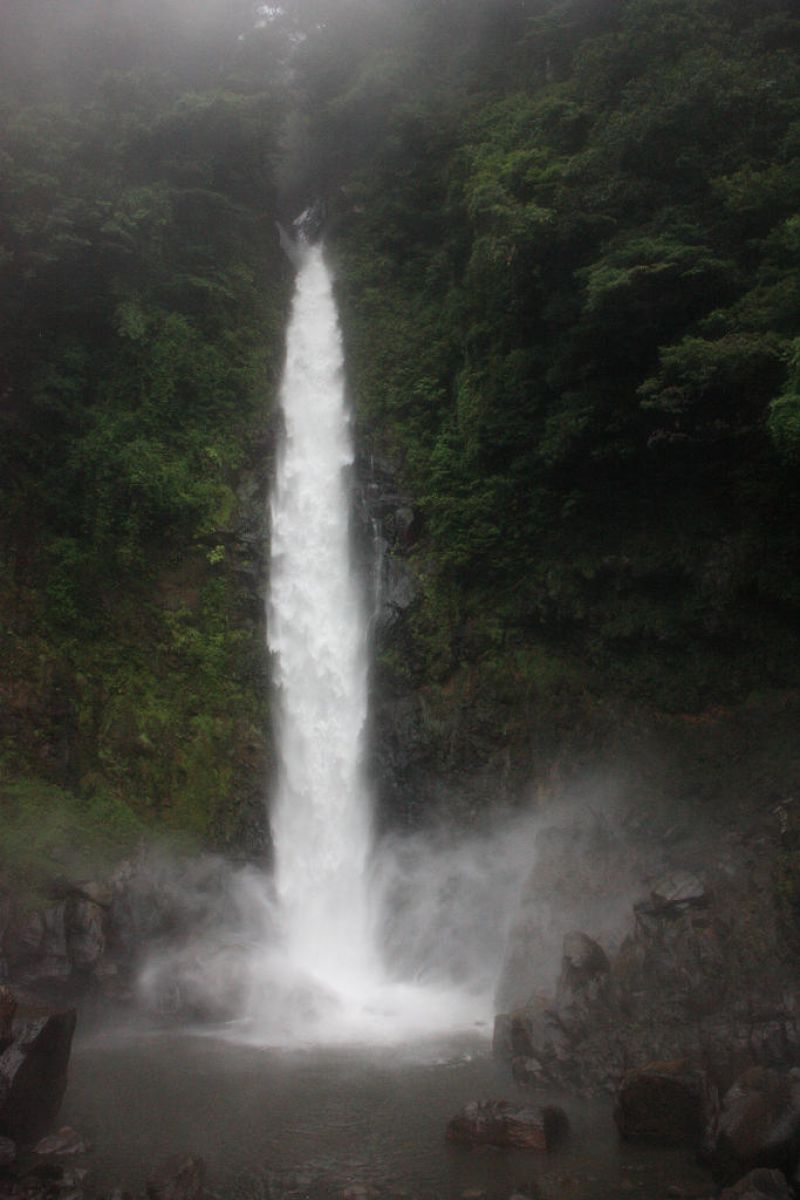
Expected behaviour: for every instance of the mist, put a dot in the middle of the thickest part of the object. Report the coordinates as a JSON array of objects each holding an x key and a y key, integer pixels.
[{"x": 466, "y": 922}]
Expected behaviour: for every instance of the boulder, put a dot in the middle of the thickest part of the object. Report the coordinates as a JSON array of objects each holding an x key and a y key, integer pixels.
[
  {"x": 758, "y": 1126},
  {"x": 667, "y": 1102},
  {"x": 679, "y": 889},
  {"x": 65, "y": 1141},
  {"x": 583, "y": 983},
  {"x": 33, "y": 1073},
  {"x": 181, "y": 1177},
  {"x": 761, "y": 1184},
  {"x": 500, "y": 1123}
]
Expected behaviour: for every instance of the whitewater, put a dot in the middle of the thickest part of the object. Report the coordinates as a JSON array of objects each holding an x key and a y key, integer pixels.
[{"x": 324, "y": 975}]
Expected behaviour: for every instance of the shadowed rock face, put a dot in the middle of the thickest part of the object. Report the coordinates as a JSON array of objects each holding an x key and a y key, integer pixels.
[
  {"x": 668, "y": 1102},
  {"x": 761, "y": 1184},
  {"x": 33, "y": 1073}
]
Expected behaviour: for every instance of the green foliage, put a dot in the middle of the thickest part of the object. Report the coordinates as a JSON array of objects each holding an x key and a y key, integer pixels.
[
  {"x": 143, "y": 301},
  {"x": 571, "y": 307},
  {"x": 784, "y": 416},
  {"x": 49, "y": 832}
]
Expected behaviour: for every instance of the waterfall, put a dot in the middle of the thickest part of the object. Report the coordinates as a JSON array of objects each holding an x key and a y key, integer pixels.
[
  {"x": 349, "y": 941},
  {"x": 315, "y": 971},
  {"x": 317, "y": 634}
]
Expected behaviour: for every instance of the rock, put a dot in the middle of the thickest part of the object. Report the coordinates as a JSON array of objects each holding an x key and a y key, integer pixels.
[
  {"x": 23, "y": 936},
  {"x": 760, "y": 1184},
  {"x": 33, "y": 1073},
  {"x": 759, "y": 1125},
  {"x": 500, "y": 1123},
  {"x": 98, "y": 893},
  {"x": 513, "y": 1035},
  {"x": 8, "y": 1007},
  {"x": 65, "y": 1141},
  {"x": 8, "y": 1152},
  {"x": 583, "y": 959},
  {"x": 86, "y": 938},
  {"x": 181, "y": 1177},
  {"x": 679, "y": 889},
  {"x": 584, "y": 979},
  {"x": 668, "y": 1102}
]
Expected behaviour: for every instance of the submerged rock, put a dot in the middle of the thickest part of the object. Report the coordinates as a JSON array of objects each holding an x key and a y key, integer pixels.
[
  {"x": 500, "y": 1123},
  {"x": 761, "y": 1184},
  {"x": 181, "y": 1177},
  {"x": 33, "y": 1073},
  {"x": 669, "y": 1102}
]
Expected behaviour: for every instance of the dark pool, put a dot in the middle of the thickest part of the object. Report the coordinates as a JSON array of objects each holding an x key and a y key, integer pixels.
[{"x": 273, "y": 1124}]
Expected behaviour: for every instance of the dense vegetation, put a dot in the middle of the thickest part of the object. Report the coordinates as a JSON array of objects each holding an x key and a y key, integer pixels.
[
  {"x": 568, "y": 246},
  {"x": 143, "y": 306}
]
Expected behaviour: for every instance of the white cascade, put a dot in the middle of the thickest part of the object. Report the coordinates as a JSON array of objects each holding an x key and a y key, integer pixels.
[
  {"x": 316, "y": 974},
  {"x": 317, "y": 633}
]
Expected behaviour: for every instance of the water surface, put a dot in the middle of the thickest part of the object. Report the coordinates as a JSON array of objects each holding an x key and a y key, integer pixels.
[{"x": 314, "y": 1123}]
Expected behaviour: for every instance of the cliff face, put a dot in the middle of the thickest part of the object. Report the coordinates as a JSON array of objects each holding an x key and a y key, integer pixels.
[{"x": 628, "y": 801}]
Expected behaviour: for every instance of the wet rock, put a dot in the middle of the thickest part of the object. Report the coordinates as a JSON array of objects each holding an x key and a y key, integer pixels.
[
  {"x": 561, "y": 895},
  {"x": 181, "y": 1177},
  {"x": 513, "y": 1035},
  {"x": 8, "y": 1007},
  {"x": 23, "y": 937},
  {"x": 500, "y": 1123},
  {"x": 583, "y": 982},
  {"x": 36, "y": 946},
  {"x": 679, "y": 889},
  {"x": 583, "y": 960},
  {"x": 759, "y": 1125},
  {"x": 761, "y": 1184},
  {"x": 97, "y": 892},
  {"x": 668, "y": 1102},
  {"x": 8, "y": 1152},
  {"x": 86, "y": 936},
  {"x": 33, "y": 1073},
  {"x": 65, "y": 1141}
]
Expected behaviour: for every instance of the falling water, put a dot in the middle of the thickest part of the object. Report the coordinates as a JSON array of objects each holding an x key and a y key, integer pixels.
[
  {"x": 323, "y": 977},
  {"x": 320, "y": 820},
  {"x": 351, "y": 940}
]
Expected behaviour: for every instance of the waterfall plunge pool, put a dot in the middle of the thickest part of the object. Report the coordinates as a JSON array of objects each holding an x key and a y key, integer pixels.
[{"x": 315, "y": 1123}]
